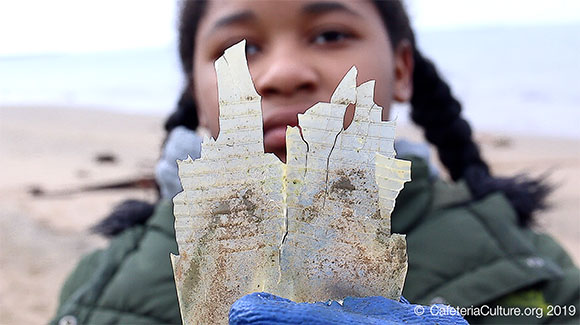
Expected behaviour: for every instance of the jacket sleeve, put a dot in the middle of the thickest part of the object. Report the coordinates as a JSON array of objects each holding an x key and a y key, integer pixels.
[
  {"x": 563, "y": 294},
  {"x": 129, "y": 282},
  {"x": 553, "y": 301}
]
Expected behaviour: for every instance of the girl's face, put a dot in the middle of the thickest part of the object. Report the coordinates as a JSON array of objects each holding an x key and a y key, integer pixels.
[{"x": 298, "y": 51}]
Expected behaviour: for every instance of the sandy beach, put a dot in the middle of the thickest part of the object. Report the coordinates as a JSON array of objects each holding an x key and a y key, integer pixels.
[{"x": 56, "y": 151}]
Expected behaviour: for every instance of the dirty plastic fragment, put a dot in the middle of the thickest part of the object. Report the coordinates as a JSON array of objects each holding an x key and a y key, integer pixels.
[{"x": 314, "y": 229}]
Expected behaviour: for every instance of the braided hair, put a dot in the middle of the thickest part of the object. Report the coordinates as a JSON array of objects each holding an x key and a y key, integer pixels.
[
  {"x": 433, "y": 108},
  {"x": 439, "y": 114}
]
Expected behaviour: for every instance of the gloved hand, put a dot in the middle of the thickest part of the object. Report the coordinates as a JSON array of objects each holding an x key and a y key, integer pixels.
[{"x": 265, "y": 308}]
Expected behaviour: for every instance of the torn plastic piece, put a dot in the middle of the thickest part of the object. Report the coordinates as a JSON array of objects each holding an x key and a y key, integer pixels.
[
  {"x": 229, "y": 219},
  {"x": 314, "y": 229}
]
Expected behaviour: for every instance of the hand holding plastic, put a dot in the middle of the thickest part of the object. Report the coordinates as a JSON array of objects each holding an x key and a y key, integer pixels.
[{"x": 265, "y": 308}]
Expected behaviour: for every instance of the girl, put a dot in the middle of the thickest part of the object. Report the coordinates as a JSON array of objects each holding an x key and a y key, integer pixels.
[{"x": 468, "y": 242}]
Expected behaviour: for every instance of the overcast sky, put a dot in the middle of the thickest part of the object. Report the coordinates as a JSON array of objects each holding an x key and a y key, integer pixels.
[{"x": 72, "y": 26}]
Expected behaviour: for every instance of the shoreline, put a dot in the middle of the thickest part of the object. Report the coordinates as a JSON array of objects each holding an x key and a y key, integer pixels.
[{"x": 42, "y": 238}]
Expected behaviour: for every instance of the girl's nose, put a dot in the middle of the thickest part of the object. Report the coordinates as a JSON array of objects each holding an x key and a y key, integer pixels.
[{"x": 285, "y": 73}]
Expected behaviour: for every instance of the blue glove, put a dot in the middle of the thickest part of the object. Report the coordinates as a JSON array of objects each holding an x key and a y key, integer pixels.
[{"x": 265, "y": 308}]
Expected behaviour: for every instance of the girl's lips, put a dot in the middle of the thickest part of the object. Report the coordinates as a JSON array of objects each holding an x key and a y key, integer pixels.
[
  {"x": 275, "y": 138},
  {"x": 275, "y": 123}
]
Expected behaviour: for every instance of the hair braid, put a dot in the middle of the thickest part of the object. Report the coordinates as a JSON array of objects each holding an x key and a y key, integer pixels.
[
  {"x": 439, "y": 113},
  {"x": 185, "y": 114},
  {"x": 191, "y": 12}
]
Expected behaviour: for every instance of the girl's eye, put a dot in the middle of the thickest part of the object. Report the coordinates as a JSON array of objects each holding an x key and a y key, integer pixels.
[
  {"x": 330, "y": 37},
  {"x": 252, "y": 49}
]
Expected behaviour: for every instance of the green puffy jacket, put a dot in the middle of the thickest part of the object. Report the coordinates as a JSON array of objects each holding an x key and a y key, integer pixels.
[{"x": 461, "y": 253}]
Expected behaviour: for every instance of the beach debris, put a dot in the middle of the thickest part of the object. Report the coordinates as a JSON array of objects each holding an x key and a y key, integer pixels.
[
  {"x": 36, "y": 190},
  {"x": 502, "y": 142},
  {"x": 314, "y": 229},
  {"x": 106, "y": 158},
  {"x": 137, "y": 182}
]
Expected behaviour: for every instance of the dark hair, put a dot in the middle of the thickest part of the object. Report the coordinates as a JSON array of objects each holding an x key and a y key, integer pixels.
[{"x": 433, "y": 107}]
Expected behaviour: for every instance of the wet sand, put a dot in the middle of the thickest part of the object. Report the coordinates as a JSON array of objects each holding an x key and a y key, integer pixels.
[{"x": 50, "y": 150}]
